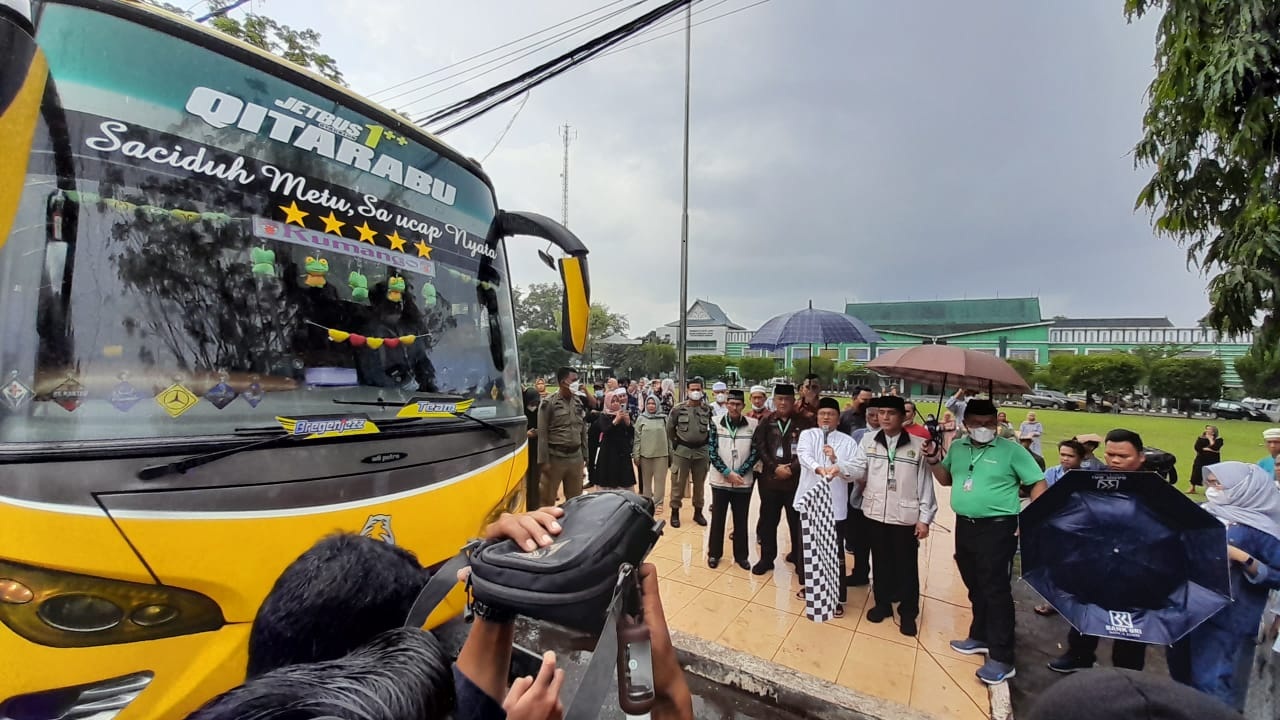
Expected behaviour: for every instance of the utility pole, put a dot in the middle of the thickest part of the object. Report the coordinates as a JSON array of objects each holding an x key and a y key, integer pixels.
[
  {"x": 681, "y": 349},
  {"x": 567, "y": 134}
]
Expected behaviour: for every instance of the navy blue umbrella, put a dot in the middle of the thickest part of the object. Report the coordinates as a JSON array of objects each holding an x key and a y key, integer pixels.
[
  {"x": 1125, "y": 555},
  {"x": 812, "y": 327}
]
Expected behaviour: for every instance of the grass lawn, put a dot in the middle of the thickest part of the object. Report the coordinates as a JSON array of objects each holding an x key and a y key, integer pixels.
[{"x": 1242, "y": 440}]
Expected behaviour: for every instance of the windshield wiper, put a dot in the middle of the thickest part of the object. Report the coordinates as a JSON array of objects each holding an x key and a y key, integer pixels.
[
  {"x": 180, "y": 467},
  {"x": 497, "y": 429}
]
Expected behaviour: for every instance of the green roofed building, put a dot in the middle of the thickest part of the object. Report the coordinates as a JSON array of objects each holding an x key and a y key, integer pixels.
[{"x": 1012, "y": 328}]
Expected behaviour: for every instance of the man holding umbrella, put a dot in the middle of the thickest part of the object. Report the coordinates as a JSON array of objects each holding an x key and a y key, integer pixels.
[{"x": 985, "y": 472}]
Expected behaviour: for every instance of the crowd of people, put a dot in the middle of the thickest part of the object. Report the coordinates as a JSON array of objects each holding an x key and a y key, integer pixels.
[{"x": 882, "y": 463}]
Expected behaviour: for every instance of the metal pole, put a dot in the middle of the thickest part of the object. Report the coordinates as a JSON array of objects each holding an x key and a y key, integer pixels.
[{"x": 681, "y": 348}]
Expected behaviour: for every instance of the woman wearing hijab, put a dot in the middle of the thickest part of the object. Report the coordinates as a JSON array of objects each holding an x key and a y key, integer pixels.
[
  {"x": 668, "y": 395},
  {"x": 651, "y": 450},
  {"x": 1208, "y": 451},
  {"x": 609, "y": 442},
  {"x": 532, "y": 400},
  {"x": 1215, "y": 657}
]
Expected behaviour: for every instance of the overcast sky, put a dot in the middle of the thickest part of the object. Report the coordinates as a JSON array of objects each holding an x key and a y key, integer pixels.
[{"x": 841, "y": 150}]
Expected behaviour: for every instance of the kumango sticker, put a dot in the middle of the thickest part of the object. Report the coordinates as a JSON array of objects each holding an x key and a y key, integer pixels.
[
  {"x": 313, "y": 428},
  {"x": 15, "y": 393},
  {"x": 176, "y": 399},
  {"x": 221, "y": 395},
  {"x": 70, "y": 395},
  {"x": 124, "y": 396},
  {"x": 253, "y": 395},
  {"x": 435, "y": 409}
]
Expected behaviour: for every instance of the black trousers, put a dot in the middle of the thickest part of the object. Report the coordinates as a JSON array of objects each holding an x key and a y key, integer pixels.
[
  {"x": 1124, "y": 653},
  {"x": 532, "y": 480},
  {"x": 772, "y": 505},
  {"x": 723, "y": 500},
  {"x": 984, "y": 556},
  {"x": 896, "y": 554},
  {"x": 840, "y": 540},
  {"x": 857, "y": 537}
]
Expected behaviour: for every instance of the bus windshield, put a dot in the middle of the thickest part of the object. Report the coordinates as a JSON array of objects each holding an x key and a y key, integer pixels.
[{"x": 204, "y": 245}]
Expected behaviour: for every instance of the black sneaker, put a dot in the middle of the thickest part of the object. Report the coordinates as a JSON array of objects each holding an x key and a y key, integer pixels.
[
  {"x": 743, "y": 564},
  {"x": 1069, "y": 663},
  {"x": 697, "y": 517},
  {"x": 907, "y": 626},
  {"x": 675, "y": 518},
  {"x": 713, "y": 562},
  {"x": 878, "y": 614},
  {"x": 761, "y": 568}
]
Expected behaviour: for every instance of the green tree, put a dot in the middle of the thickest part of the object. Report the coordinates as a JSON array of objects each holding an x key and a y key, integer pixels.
[
  {"x": 824, "y": 368},
  {"x": 1057, "y": 374},
  {"x": 1026, "y": 369},
  {"x": 537, "y": 307},
  {"x": 657, "y": 357},
  {"x": 300, "y": 47},
  {"x": 1187, "y": 379},
  {"x": 708, "y": 367},
  {"x": 602, "y": 323},
  {"x": 1149, "y": 354},
  {"x": 541, "y": 352},
  {"x": 756, "y": 369},
  {"x": 1259, "y": 370},
  {"x": 1211, "y": 133},
  {"x": 1109, "y": 375}
]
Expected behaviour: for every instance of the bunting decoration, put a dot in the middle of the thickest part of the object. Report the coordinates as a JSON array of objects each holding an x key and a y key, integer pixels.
[{"x": 373, "y": 343}]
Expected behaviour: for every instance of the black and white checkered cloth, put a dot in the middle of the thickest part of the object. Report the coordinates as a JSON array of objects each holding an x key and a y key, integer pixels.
[{"x": 820, "y": 553}]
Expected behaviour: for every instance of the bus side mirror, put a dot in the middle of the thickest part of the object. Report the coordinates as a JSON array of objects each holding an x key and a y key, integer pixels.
[{"x": 575, "y": 304}]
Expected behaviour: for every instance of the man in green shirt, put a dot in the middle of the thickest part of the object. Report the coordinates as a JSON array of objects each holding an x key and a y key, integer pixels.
[{"x": 985, "y": 473}]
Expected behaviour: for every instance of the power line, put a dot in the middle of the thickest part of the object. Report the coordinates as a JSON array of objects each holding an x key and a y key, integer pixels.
[
  {"x": 437, "y": 71},
  {"x": 669, "y": 22},
  {"x": 507, "y": 129},
  {"x": 542, "y": 45},
  {"x": 484, "y": 101},
  {"x": 673, "y": 32},
  {"x": 220, "y": 11}
]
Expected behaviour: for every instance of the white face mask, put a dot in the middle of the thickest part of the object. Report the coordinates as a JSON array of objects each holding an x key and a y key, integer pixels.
[
  {"x": 982, "y": 435},
  {"x": 757, "y": 406},
  {"x": 573, "y": 386},
  {"x": 721, "y": 397},
  {"x": 695, "y": 395},
  {"x": 1213, "y": 494}
]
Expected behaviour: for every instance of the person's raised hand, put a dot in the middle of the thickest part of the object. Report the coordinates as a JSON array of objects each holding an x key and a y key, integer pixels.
[
  {"x": 529, "y": 530},
  {"x": 673, "y": 700},
  {"x": 537, "y": 698}
]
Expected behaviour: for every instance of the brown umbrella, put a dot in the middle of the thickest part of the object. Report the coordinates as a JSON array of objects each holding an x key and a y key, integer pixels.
[{"x": 949, "y": 365}]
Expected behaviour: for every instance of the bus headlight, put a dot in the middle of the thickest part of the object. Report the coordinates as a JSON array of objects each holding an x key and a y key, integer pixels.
[
  {"x": 512, "y": 502},
  {"x": 62, "y": 609}
]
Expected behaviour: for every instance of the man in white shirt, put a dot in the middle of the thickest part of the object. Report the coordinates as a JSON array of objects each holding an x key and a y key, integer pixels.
[
  {"x": 899, "y": 505},
  {"x": 720, "y": 397},
  {"x": 828, "y": 455}
]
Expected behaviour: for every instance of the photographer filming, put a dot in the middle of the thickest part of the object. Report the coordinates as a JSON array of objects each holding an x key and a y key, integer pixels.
[{"x": 328, "y": 643}]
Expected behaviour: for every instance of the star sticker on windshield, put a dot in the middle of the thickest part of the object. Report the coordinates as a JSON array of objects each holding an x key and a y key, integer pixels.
[
  {"x": 367, "y": 234},
  {"x": 424, "y": 250},
  {"x": 397, "y": 242},
  {"x": 332, "y": 224},
  {"x": 293, "y": 214}
]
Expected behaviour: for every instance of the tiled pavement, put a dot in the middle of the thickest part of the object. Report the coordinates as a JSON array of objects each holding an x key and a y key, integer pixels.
[{"x": 761, "y": 616}]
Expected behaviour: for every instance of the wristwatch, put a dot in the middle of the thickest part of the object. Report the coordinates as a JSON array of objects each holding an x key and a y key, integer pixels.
[{"x": 489, "y": 613}]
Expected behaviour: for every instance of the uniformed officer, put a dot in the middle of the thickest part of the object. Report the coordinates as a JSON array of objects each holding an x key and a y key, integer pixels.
[
  {"x": 688, "y": 426},
  {"x": 562, "y": 439}
]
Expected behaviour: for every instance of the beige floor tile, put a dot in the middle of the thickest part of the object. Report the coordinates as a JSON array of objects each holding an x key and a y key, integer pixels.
[
  {"x": 814, "y": 648},
  {"x": 665, "y": 566},
  {"x": 961, "y": 673},
  {"x": 737, "y": 586},
  {"x": 675, "y": 595},
  {"x": 779, "y": 598},
  {"x": 941, "y": 623},
  {"x": 886, "y": 629},
  {"x": 933, "y": 691},
  {"x": 758, "y": 630},
  {"x": 947, "y": 588},
  {"x": 708, "y": 614},
  {"x": 693, "y": 575},
  {"x": 878, "y": 667}
]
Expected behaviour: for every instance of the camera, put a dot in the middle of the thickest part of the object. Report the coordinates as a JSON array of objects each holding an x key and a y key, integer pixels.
[{"x": 935, "y": 431}]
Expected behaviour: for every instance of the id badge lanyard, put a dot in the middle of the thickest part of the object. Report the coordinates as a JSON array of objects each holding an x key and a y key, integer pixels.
[
  {"x": 784, "y": 433},
  {"x": 973, "y": 460},
  {"x": 892, "y": 452}
]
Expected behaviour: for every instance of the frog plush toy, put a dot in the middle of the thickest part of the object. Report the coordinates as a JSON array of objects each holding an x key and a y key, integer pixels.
[
  {"x": 316, "y": 269},
  {"x": 395, "y": 288},
  {"x": 359, "y": 286},
  {"x": 429, "y": 294},
  {"x": 264, "y": 261}
]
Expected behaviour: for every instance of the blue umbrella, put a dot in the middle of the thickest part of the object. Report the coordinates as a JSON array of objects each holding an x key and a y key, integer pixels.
[
  {"x": 812, "y": 327},
  {"x": 1125, "y": 556}
]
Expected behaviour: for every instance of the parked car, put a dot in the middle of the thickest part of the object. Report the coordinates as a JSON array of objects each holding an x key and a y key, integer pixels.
[
  {"x": 1051, "y": 399},
  {"x": 1232, "y": 410},
  {"x": 1099, "y": 404}
]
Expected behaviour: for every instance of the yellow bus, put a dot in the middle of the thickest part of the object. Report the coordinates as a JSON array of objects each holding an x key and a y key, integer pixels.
[{"x": 240, "y": 308}]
